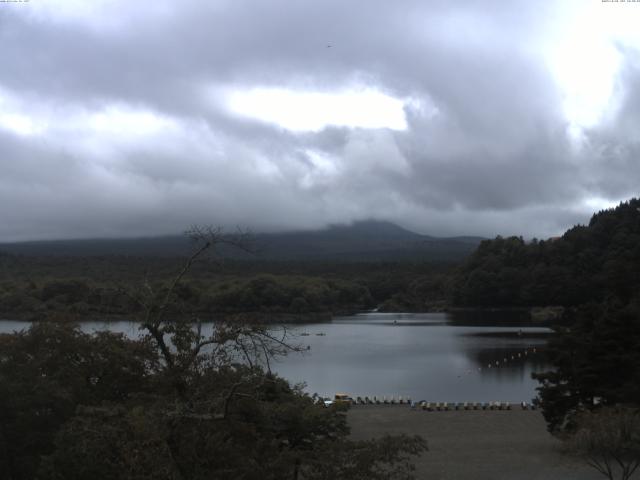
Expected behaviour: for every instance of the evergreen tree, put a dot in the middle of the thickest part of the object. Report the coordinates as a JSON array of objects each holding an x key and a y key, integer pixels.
[{"x": 596, "y": 363}]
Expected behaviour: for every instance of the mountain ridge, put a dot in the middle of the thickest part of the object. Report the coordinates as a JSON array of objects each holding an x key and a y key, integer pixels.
[{"x": 369, "y": 240}]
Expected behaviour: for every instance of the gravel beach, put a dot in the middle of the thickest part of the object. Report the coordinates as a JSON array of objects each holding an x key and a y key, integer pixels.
[{"x": 475, "y": 444}]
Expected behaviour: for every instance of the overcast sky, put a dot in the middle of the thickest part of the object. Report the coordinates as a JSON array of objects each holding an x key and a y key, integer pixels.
[{"x": 478, "y": 117}]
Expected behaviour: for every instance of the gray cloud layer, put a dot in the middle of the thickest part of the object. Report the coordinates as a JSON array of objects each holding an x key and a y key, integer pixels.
[{"x": 125, "y": 133}]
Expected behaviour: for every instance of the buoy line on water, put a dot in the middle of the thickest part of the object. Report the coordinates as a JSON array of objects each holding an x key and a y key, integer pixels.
[{"x": 531, "y": 350}]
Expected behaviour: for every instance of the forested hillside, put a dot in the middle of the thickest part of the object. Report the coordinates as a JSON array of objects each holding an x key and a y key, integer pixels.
[
  {"x": 366, "y": 241},
  {"x": 588, "y": 263}
]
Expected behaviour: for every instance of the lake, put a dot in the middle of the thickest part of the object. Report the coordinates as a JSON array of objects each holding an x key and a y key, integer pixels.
[{"x": 431, "y": 356}]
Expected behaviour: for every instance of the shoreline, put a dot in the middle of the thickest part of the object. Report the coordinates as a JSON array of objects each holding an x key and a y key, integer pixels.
[{"x": 258, "y": 317}]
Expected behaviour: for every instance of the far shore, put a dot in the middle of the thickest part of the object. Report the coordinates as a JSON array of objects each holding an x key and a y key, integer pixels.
[
  {"x": 257, "y": 317},
  {"x": 542, "y": 316}
]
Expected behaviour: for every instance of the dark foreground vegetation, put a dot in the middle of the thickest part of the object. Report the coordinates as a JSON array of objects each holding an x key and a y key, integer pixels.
[
  {"x": 78, "y": 406},
  {"x": 176, "y": 404}
]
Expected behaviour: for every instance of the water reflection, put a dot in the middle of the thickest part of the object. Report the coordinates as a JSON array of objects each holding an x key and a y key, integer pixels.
[
  {"x": 490, "y": 318},
  {"x": 394, "y": 319},
  {"x": 434, "y": 356},
  {"x": 13, "y": 326}
]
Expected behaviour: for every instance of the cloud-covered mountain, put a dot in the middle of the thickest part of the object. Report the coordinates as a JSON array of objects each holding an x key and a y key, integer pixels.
[{"x": 361, "y": 241}]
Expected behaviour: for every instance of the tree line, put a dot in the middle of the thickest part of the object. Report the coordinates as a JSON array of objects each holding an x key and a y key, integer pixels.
[
  {"x": 591, "y": 262},
  {"x": 260, "y": 293},
  {"x": 85, "y": 287}
]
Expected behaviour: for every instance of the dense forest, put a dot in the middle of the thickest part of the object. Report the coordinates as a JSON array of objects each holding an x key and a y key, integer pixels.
[
  {"x": 588, "y": 263},
  {"x": 596, "y": 359},
  {"x": 593, "y": 271},
  {"x": 37, "y": 286}
]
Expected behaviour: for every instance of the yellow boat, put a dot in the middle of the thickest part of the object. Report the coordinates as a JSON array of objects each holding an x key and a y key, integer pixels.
[{"x": 342, "y": 398}]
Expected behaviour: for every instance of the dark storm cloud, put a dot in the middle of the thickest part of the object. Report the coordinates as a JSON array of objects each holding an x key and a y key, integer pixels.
[{"x": 122, "y": 128}]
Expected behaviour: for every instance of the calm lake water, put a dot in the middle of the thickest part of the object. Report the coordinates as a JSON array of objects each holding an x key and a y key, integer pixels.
[{"x": 431, "y": 356}]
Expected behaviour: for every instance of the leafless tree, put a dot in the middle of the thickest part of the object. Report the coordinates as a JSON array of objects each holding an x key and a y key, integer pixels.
[
  {"x": 179, "y": 335},
  {"x": 609, "y": 441}
]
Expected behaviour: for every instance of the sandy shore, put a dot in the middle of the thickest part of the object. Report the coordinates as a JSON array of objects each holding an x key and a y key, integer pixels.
[{"x": 475, "y": 445}]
